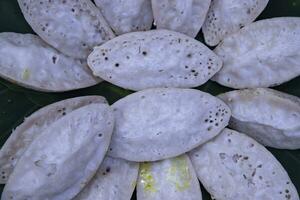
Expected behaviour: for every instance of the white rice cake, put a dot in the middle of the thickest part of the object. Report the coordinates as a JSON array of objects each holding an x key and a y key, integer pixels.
[
  {"x": 233, "y": 166},
  {"x": 228, "y": 16},
  {"x": 114, "y": 180},
  {"x": 63, "y": 159},
  {"x": 184, "y": 16},
  {"x": 157, "y": 58},
  {"x": 263, "y": 54},
  {"x": 33, "y": 126},
  {"x": 126, "y": 16},
  {"x": 173, "y": 178},
  {"x": 156, "y": 124},
  {"x": 73, "y": 27},
  {"x": 28, "y": 61},
  {"x": 270, "y": 117}
]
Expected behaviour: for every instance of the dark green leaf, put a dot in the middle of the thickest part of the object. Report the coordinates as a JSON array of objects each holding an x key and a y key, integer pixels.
[
  {"x": 17, "y": 102},
  {"x": 13, "y": 108},
  {"x": 12, "y": 19}
]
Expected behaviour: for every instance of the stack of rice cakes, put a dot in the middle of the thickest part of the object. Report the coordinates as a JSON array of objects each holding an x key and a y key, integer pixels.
[{"x": 164, "y": 137}]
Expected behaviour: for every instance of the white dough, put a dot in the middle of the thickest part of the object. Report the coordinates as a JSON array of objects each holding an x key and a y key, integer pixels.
[
  {"x": 184, "y": 16},
  {"x": 263, "y": 54},
  {"x": 173, "y": 178},
  {"x": 233, "y": 166},
  {"x": 126, "y": 16},
  {"x": 270, "y": 117},
  {"x": 228, "y": 16},
  {"x": 28, "y": 61},
  {"x": 156, "y": 124},
  {"x": 64, "y": 157},
  {"x": 33, "y": 126},
  {"x": 157, "y": 58},
  {"x": 73, "y": 27},
  {"x": 114, "y": 180}
]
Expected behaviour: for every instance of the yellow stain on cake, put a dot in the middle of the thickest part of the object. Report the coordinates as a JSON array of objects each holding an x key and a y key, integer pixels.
[
  {"x": 133, "y": 184},
  {"x": 146, "y": 177},
  {"x": 26, "y": 74},
  {"x": 179, "y": 173}
]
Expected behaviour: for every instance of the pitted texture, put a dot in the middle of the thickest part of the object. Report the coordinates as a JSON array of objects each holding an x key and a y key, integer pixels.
[
  {"x": 114, "y": 180},
  {"x": 228, "y": 16},
  {"x": 155, "y": 124},
  {"x": 126, "y": 16},
  {"x": 63, "y": 159},
  {"x": 73, "y": 27},
  {"x": 28, "y": 61},
  {"x": 173, "y": 178},
  {"x": 158, "y": 58},
  {"x": 181, "y": 16},
  {"x": 33, "y": 126},
  {"x": 263, "y": 54},
  {"x": 270, "y": 117},
  {"x": 233, "y": 166}
]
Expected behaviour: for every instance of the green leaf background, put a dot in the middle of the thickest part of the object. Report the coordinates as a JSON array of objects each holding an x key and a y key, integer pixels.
[{"x": 17, "y": 102}]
